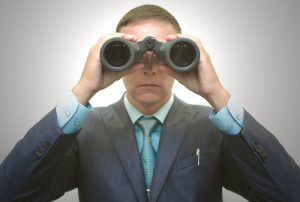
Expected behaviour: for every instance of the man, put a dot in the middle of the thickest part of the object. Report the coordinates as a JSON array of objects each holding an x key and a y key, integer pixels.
[{"x": 197, "y": 150}]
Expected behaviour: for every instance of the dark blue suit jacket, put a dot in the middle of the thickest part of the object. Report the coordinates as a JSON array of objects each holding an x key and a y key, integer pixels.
[{"x": 103, "y": 162}]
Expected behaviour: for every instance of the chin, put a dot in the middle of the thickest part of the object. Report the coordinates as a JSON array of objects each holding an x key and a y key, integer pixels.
[{"x": 149, "y": 99}]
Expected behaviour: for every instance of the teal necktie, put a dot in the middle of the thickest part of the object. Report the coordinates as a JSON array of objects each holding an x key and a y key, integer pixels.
[{"x": 148, "y": 154}]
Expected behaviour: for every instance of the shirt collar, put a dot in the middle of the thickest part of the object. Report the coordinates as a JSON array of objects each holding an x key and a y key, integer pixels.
[{"x": 160, "y": 114}]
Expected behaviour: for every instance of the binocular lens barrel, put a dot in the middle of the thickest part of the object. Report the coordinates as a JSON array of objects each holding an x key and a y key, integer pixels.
[
  {"x": 118, "y": 54},
  {"x": 182, "y": 54}
]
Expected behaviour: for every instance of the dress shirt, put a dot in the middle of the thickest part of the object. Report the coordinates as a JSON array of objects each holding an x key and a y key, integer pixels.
[
  {"x": 71, "y": 115},
  {"x": 160, "y": 115}
]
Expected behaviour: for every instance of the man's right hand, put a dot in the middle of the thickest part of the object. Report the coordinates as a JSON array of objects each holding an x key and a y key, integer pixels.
[{"x": 94, "y": 77}]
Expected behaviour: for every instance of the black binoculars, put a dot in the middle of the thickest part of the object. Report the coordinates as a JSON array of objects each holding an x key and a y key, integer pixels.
[{"x": 118, "y": 54}]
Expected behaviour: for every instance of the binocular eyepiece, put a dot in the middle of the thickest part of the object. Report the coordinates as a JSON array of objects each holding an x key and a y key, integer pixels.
[{"x": 118, "y": 54}]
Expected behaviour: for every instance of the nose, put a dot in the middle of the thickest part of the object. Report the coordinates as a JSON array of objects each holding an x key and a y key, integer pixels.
[{"x": 150, "y": 64}]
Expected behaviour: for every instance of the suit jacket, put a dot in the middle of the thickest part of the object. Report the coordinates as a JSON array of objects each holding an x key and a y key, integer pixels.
[{"x": 103, "y": 162}]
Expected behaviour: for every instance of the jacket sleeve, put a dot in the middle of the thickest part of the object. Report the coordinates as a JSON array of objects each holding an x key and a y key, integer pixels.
[
  {"x": 270, "y": 173},
  {"x": 42, "y": 165}
]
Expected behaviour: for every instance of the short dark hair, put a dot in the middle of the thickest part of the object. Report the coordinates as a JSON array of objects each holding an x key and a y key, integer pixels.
[{"x": 146, "y": 12}]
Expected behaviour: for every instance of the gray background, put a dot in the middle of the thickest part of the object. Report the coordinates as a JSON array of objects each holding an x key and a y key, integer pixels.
[{"x": 254, "y": 46}]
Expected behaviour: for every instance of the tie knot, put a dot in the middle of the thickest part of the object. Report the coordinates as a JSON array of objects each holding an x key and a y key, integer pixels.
[{"x": 147, "y": 124}]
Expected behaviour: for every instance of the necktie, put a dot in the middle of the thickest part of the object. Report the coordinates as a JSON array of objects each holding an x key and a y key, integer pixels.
[{"x": 148, "y": 154}]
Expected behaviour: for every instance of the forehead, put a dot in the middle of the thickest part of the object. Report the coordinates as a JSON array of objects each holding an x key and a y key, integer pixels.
[{"x": 155, "y": 28}]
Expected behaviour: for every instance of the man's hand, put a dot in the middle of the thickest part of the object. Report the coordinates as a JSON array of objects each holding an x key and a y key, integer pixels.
[
  {"x": 95, "y": 77},
  {"x": 202, "y": 80}
]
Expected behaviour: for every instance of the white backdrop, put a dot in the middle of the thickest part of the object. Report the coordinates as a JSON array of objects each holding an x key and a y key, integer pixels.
[{"x": 254, "y": 46}]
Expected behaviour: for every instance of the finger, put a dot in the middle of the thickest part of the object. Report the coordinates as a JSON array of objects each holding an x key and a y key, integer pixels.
[
  {"x": 193, "y": 38},
  {"x": 111, "y": 35},
  {"x": 171, "y": 37},
  {"x": 130, "y": 37},
  {"x": 107, "y": 37}
]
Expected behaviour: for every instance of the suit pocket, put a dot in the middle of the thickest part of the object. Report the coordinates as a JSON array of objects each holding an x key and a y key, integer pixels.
[{"x": 192, "y": 161}]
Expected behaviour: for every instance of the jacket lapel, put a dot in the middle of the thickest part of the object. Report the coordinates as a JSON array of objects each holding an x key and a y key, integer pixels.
[
  {"x": 173, "y": 132},
  {"x": 122, "y": 135}
]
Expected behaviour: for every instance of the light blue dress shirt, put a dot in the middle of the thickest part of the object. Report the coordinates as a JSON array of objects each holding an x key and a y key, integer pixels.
[
  {"x": 71, "y": 115},
  {"x": 230, "y": 119},
  {"x": 160, "y": 115}
]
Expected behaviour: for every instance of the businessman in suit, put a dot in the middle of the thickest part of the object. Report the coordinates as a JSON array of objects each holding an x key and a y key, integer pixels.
[{"x": 197, "y": 150}]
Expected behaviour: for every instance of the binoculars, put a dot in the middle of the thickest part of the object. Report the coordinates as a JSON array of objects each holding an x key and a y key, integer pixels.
[{"x": 118, "y": 54}]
